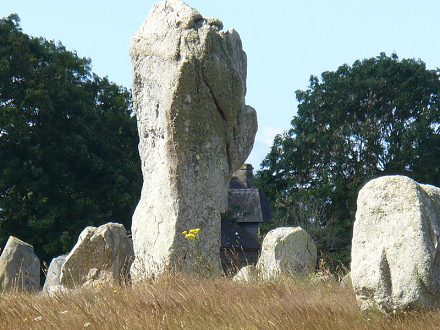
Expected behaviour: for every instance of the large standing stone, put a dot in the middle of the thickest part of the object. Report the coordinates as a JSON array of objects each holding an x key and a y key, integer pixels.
[
  {"x": 102, "y": 254},
  {"x": 53, "y": 276},
  {"x": 286, "y": 251},
  {"x": 19, "y": 266},
  {"x": 395, "y": 249},
  {"x": 195, "y": 130}
]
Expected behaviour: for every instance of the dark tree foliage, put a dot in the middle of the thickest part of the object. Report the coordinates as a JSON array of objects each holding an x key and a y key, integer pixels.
[
  {"x": 379, "y": 116},
  {"x": 68, "y": 145}
]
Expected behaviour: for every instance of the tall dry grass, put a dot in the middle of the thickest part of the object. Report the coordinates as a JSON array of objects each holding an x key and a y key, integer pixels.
[{"x": 187, "y": 302}]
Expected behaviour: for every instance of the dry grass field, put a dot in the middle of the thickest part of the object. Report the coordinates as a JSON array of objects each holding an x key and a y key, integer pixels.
[{"x": 186, "y": 302}]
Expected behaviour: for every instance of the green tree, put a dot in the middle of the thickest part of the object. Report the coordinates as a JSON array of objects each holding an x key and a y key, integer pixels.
[
  {"x": 379, "y": 116},
  {"x": 68, "y": 144}
]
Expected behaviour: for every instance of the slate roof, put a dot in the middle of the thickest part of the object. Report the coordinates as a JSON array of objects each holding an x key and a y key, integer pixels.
[{"x": 246, "y": 205}]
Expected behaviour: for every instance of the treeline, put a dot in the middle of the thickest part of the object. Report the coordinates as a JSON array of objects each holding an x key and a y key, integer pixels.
[
  {"x": 378, "y": 117},
  {"x": 69, "y": 159},
  {"x": 68, "y": 144}
]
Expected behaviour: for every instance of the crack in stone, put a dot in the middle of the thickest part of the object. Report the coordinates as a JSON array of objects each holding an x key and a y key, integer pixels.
[
  {"x": 222, "y": 114},
  {"x": 219, "y": 109}
]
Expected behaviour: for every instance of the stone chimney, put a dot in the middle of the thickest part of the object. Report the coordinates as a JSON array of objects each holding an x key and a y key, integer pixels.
[{"x": 245, "y": 175}]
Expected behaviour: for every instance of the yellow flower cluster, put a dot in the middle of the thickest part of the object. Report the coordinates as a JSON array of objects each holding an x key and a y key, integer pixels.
[{"x": 192, "y": 234}]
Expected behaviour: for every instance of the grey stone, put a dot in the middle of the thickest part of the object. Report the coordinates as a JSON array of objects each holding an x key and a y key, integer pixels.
[
  {"x": 189, "y": 83},
  {"x": 19, "y": 266},
  {"x": 395, "y": 249},
  {"x": 53, "y": 276},
  {"x": 287, "y": 251},
  {"x": 101, "y": 255}
]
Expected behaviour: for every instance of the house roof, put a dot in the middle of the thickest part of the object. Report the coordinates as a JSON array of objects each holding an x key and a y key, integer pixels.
[{"x": 249, "y": 205}]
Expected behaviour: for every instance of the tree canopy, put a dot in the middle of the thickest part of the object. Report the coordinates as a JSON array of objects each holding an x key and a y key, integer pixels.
[
  {"x": 379, "y": 116},
  {"x": 68, "y": 144}
]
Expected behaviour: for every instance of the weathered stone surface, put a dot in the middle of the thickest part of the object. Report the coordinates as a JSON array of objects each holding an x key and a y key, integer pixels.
[
  {"x": 395, "y": 249},
  {"x": 287, "y": 251},
  {"x": 102, "y": 254},
  {"x": 19, "y": 266},
  {"x": 195, "y": 130},
  {"x": 246, "y": 274},
  {"x": 53, "y": 276}
]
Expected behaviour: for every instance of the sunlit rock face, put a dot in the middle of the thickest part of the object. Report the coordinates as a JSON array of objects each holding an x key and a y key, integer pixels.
[
  {"x": 52, "y": 284},
  {"x": 287, "y": 251},
  {"x": 102, "y": 255},
  {"x": 395, "y": 250},
  {"x": 189, "y": 85}
]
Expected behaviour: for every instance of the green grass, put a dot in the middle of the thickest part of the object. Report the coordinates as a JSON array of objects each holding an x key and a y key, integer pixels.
[{"x": 190, "y": 302}]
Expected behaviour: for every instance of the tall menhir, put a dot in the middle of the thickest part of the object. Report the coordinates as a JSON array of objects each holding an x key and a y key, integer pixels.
[{"x": 195, "y": 130}]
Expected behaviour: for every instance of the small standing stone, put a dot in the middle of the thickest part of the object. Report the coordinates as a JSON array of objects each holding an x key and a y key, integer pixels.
[
  {"x": 19, "y": 266},
  {"x": 101, "y": 255},
  {"x": 246, "y": 274},
  {"x": 53, "y": 276},
  {"x": 287, "y": 251}
]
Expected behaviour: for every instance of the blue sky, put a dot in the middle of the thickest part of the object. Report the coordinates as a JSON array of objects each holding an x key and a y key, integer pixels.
[{"x": 286, "y": 41}]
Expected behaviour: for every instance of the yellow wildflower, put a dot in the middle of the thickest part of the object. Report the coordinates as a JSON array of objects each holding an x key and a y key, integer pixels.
[{"x": 192, "y": 234}]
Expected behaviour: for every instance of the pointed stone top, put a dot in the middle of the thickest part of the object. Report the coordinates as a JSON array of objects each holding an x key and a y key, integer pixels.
[
  {"x": 14, "y": 240},
  {"x": 170, "y": 18}
]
